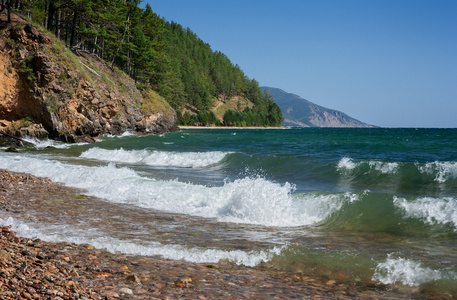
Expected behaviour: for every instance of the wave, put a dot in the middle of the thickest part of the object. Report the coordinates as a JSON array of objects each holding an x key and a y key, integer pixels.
[
  {"x": 112, "y": 136},
  {"x": 251, "y": 200},
  {"x": 405, "y": 271},
  {"x": 46, "y": 143},
  {"x": 157, "y": 158},
  {"x": 169, "y": 251},
  {"x": 380, "y": 212},
  {"x": 406, "y": 173},
  {"x": 347, "y": 164},
  {"x": 442, "y": 171},
  {"x": 432, "y": 211}
]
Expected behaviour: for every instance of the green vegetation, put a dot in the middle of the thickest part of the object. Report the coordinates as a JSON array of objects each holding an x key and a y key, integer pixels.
[
  {"x": 203, "y": 118},
  {"x": 159, "y": 55},
  {"x": 26, "y": 122},
  {"x": 153, "y": 102},
  {"x": 27, "y": 68}
]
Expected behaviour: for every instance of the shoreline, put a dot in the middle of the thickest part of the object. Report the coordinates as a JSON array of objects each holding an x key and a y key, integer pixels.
[
  {"x": 49, "y": 269},
  {"x": 226, "y": 127}
]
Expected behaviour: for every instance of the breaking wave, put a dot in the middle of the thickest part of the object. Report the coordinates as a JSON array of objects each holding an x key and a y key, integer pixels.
[
  {"x": 157, "y": 158},
  {"x": 251, "y": 200},
  {"x": 169, "y": 251},
  {"x": 431, "y": 210},
  {"x": 407, "y": 173},
  {"x": 405, "y": 271}
]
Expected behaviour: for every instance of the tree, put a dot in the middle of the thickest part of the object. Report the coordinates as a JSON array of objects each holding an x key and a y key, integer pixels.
[
  {"x": 9, "y": 10},
  {"x": 160, "y": 55}
]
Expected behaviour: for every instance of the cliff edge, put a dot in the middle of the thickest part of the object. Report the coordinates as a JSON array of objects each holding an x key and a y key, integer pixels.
[{"x": 48, "y": 91}]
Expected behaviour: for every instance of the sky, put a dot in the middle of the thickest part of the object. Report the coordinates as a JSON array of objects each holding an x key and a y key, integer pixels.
[{"x": 389, "y": 63}]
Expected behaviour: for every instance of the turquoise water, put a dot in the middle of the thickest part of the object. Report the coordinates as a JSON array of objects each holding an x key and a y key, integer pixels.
[{"x": 343, "y": 204}]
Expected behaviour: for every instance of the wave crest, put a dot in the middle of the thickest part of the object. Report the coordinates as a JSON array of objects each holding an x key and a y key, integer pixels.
[
  {"x": 432, "y": 172},
  {"x": 169, "y": 251},
  {"x": 156, "y": 158},
  {"x": 347, "y": 164},
  {"x": 404, "y": 271},
  {"x": 432, "y": 210},
  {"x": 442, "y": 171}
]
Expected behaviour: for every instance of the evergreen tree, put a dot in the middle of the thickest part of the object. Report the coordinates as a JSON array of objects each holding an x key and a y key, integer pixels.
[{"x": 160, "y": 55}]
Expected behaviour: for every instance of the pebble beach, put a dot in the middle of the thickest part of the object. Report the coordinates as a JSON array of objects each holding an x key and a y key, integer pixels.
[{"x": 35, "y": 269}]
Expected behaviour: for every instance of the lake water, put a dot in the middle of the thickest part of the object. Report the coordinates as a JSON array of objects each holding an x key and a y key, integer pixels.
[{"x": 359, "y": 204}]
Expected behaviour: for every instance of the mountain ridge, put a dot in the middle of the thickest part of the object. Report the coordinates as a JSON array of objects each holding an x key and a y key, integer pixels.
[{"x": 300, "y": 112}]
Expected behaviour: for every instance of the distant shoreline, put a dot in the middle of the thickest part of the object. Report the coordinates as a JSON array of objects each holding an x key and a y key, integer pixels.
[{"x": 227, "y": 127}]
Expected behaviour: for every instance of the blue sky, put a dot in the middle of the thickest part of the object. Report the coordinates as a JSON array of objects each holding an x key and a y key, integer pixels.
[{"x": 390, "y": 63}]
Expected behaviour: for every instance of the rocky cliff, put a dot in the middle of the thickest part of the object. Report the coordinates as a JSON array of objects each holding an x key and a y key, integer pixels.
[
  {"x": 299, "y": 112},
  {"x": 46, "y": 90}
]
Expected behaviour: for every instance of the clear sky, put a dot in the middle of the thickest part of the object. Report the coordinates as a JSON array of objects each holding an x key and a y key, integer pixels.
[{"x": 390, "y": 63}]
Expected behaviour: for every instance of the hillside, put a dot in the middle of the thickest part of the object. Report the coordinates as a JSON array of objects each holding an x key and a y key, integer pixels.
[
  {"x": 49, "y": 91},
  {"x": 209, "y": 87},
  {"x": 158, "y": 55},
  {"x": 299, "y": 112}
]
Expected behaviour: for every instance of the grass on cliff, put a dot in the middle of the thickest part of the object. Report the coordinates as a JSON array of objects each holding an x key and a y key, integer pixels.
[
  {"x": 154, "y": 103},
  {"x": 234, "y": 103}
]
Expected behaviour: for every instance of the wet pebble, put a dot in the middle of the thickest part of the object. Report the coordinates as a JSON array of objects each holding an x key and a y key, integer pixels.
[{"x": 32, "y": 269}]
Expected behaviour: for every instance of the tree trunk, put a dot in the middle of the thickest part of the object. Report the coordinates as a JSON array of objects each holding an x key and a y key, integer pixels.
[
  {"x": 9, "y": 11},
  {"x": 129, "y": 66},
  {"x": 95, "y": 45},
  {"x": 102, "y": 48},
  {"x": 73, "y": 30},
  {"x": 51, "y": 12},
  {"x": 46, "y": 9},
  {"x": 58, "y": 15},
  {"x": 67, "y": 29},
  {"x": 122, "y": 41}
]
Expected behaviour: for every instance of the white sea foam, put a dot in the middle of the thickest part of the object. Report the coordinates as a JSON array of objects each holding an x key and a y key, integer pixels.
[
  {"x": 346, "y": 164},
  {"x": 404, "y": 271},
  {"x": 384, "y": 167},
  {"x": 177, "y": 252},
  {"x": 40, "y": 144},
  {"x": 441, "y": 170},
  {"x": 124, "y": 134},
  {"x": 431, "y": 210},
  {"x": 157, "y": 158},
  {"x": 251, "y": 200}
]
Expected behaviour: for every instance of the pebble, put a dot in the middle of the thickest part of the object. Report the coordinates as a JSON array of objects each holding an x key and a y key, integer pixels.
[
  {"x": 133, "y": 279},
  {"x": 67, "y": 271},
  {"x": 330, "y": 282},
  {"x": 110, "y": 294},
  {"x": 126, "y": 291}
]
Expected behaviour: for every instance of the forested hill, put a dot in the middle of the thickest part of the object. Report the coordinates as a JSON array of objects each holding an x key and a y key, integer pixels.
[
  {"x": 205, "y": 81},
  {"x": 158, "y": 55}
]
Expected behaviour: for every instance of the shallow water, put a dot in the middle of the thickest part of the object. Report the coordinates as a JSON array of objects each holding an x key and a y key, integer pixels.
[{"x": 357, "y": 204}]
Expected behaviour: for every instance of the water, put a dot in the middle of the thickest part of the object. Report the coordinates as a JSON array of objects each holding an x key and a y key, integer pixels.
[{"x": 343, "y": 204}]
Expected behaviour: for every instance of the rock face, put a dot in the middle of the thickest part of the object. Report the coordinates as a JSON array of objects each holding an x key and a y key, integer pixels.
[
  {"x": 48, "y": 91},
  {"x": 299, "y": 112}
]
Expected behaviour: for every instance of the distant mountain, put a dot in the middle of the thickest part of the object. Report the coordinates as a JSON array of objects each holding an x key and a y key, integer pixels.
[{"x": 299, "y": 112}]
